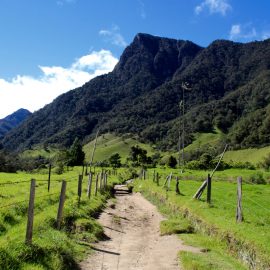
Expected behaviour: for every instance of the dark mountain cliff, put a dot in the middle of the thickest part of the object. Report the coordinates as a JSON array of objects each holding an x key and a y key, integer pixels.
[
  {"x": 229, "y": 83},
  {"x": 12, "y": 121}
]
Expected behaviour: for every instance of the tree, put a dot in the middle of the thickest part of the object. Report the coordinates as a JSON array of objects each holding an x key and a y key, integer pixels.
[
  {"x": 138, "y": 155},
  {"x": 172, "y": 162},
  {"x": 75, "y": 154},
  {"x": 115, "y": 160}
]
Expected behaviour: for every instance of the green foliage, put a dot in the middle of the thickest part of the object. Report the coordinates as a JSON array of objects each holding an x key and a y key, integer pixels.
[
  {"x": 75, "y": 154},
  {"x": 266, "y": 162},
  {"x": 172, "y": 162},
  {"x": 138, "y": 156},
  {"x": 115, "y": 160},
  {"x": 257, "y": 178}
]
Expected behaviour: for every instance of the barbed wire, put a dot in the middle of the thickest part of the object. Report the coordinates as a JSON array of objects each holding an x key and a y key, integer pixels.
[{"x": 14, "y": 183}]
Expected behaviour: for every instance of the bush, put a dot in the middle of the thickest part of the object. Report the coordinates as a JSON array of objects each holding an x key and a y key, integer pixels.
[
  {"x": 265, "y": 164},
  {"x": 242, "y": 165},
  {"x": 257, "y": 178},
  {"x": 172, "y": 162}
]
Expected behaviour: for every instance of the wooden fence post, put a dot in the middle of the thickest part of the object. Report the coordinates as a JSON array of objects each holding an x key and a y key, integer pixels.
[
  {"x": 96, "y": 187},
  {"x": 154, "y": 176},
  {"x": 89, "y": 185},
  {"x": 169, "y": 181},
  {"x": 177, "y": 191},
  {"x": 105, "y": 181},
  {"x": 209, "y": 186},
  {"x": 101, "y": 180},
  {"x": 49, "y": 177},
  {"x": 30, "y": 220},
  {"x": 61, "y": 205},
  {"x": 239, "y": 214},
  {"x": 157, "y": 179},
  {"x": 82, "y": 170},
  {"x": 80, "y": 188}
]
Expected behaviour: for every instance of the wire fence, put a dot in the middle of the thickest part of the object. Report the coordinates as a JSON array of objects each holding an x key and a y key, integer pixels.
[
  {"x": 251, "y": 203},
  {"x": 49, "y": 192}
]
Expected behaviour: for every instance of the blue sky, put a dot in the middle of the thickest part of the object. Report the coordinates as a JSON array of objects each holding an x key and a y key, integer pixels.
[{"x": 50, "y": 46}]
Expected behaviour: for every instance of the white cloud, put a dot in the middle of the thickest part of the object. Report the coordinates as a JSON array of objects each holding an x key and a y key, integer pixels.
[
  {"x": 62, "y": 2},
  {"x": 113, "y": 36},
  {"x": 214, "y": 6},
  {"x": 242, "y": 32},
  {"x": 266, "y": 35},
  {"x": 33, "y": 93},
  {"x": 142, "y": 9}
]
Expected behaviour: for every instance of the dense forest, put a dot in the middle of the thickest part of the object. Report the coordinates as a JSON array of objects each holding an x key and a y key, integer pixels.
[
  {"x": 12, "y": 121},
  {"x": 228, "y": 87}
]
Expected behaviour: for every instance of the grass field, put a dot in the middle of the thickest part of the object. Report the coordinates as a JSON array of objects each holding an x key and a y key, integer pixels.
[
  {"x": 51, "y": 248},
  {"x": 252, "y": 155},
  {"x": 109, "y": 144},
  {"x": 203, "y": 139},
  {"x": 249, "y": 241}
]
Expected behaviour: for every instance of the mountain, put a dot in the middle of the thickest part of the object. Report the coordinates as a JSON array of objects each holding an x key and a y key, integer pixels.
[
  {"x": 228, "y": 88},
  {"x": 12, "y": 121}
]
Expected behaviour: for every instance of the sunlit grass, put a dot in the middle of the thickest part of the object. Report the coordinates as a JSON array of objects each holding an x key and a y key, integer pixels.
[
  {"x": 51, "y": 248},
  {"x": 218, "y": 218}
]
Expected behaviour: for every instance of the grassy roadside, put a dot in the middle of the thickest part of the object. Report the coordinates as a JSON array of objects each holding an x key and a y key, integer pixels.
[
  {"x": 248, "y": 241},
  {"x": 51, "y": 248}
]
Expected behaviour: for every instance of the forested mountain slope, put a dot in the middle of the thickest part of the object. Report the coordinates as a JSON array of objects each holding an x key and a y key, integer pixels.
[
  {"x": 12, "y": 121},
  {"x": 229, "y": 87}
]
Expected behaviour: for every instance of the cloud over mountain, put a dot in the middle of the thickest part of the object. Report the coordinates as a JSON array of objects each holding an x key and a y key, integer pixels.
[{"x": 33, "y": 93}]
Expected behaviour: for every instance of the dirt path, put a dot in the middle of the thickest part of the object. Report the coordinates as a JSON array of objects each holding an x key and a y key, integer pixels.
[{"x": 134, "y": 241}]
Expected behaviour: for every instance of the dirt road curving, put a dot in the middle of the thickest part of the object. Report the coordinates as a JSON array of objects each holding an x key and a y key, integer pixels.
[{"x": 134, "y": 241}]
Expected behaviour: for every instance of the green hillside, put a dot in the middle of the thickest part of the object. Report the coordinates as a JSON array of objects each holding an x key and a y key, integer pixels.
[
  {"x": 252, "y": 155},
  {"x": 203, "y": 139},
  {"x": 109, "y": 144}
]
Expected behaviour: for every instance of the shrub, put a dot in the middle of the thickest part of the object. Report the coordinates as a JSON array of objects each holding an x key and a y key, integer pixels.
[
  {"x": 265, "y": 164},
  {"x": 257, "y": 178},
  {"x": 172, "y": 162}
]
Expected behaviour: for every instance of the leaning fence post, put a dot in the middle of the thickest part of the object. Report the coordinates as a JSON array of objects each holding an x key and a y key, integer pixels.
[
  {"x": 239, "y": 214},
  {"x": 61, "y": 205},
  {"x": 80, "y": 188},
  {"x": 89, "y": 185},
  {"x": 30, "y": 220},
  {"x": 49, "y": 177},
  {"x": 208, "y": 188}
]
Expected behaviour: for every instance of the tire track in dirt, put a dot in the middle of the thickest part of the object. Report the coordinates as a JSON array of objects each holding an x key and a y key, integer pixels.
[{"x": 134, "y": 240}]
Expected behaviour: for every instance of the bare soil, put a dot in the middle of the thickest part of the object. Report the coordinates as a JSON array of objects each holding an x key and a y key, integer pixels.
[{"x": 134, "y": 241}]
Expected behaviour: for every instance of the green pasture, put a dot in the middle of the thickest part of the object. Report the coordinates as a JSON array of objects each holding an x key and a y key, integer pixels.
[
  {"x": 203, "y": 139},
  {"x": 251, "y": 237},
  {"x": 252, "y": 155},
  {"x": 51, "y": 248},
  {"x": 109, "y": 144}
]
